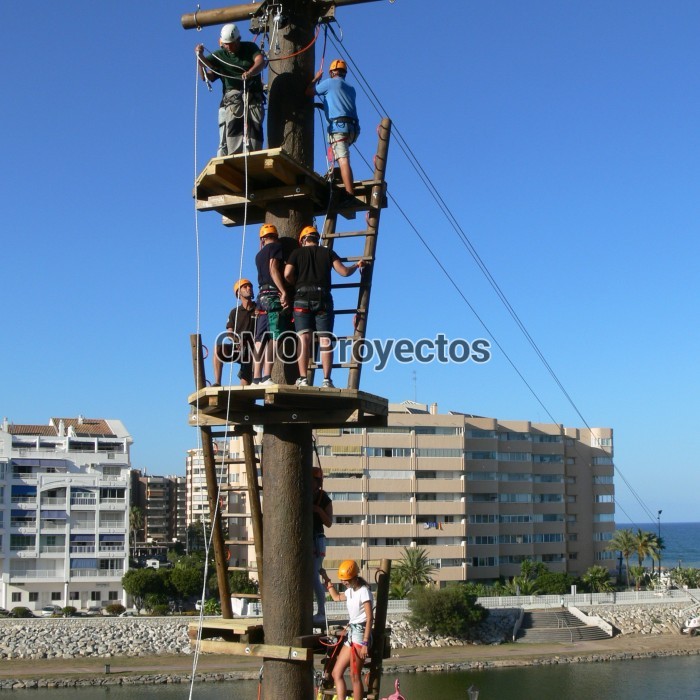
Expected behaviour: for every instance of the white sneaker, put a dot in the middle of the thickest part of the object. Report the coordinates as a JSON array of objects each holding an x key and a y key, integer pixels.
[
  {"x": 302, "y": 381},
  {"x": 267, "y": 382},
  {"x": 327, "y": 384}
]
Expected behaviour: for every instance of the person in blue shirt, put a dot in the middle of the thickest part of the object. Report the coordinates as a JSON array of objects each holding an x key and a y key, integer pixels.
[{"x": 338, "y": 100}]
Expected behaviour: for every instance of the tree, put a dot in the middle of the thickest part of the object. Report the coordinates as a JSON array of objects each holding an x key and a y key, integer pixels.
[
  {"x": 623, "y": 541},
  {"x": 451, "y": 611},
  {"x": 139, "y": 583},
  {"x": 186, "y": 580},
  {"x": 414, "y": 569},
  {"x": 551, "y": 583},
  {"x": 135, "y": 525},
  {"x": 597, "y": 579},
  {"x": 639, "y": 573},
  {"x": 646, "y": 544}
]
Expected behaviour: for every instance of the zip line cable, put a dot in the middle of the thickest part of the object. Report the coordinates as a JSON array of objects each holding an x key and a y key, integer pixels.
[{"x": 415, "y": 163}]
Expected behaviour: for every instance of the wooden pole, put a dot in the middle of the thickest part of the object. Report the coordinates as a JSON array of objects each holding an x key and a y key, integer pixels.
[
  {"x": 206, "y": 18},
  {"x": 379, "y": 631},
  {"x": 251, "y": 470},
  {"x": 212, "y": 488}
]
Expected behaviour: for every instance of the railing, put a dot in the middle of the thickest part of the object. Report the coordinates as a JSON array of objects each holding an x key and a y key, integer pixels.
[
  {"x": 53, "y": 548},
  {"x": 23, "y": 499},
  {"x": 37, "y": 573},
  {"x": 111, "y": 548},
  {"x": 82, "y": 548},
  {"x": 53, "y": 501},
  {"x": 92, "y": 573},
  {"x": 83, "y": 501}
]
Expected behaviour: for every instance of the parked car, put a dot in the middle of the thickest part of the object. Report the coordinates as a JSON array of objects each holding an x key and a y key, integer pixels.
[
  {"x": 129, "y": 613},
  {"x": 4, "y": 613},
  {"x": 51, "y": 610},
  {"x": 94, "y": 611},
  {"x": 198, "y": 605}
]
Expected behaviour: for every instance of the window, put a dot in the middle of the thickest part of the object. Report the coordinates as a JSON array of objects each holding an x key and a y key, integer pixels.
[
  {"x": 388, "y": 451},
  {"x": 438, "y": 452},
  {"x": 481, "y": 434},
  {"x": 74, "y": 595},
  {"x": 95, "y": 596},
  {"x": 16, "y": 597},
  {"x": 55, "y": 595},
  {"x": 508, "y": 436},
  {"x": 345, "y": 496},
  {"x": 604, "y": 498},
  {"x": 548, "y": 459},
  {"x": 548, "y": 438},
  {"x": 602, "y": 460},
  {"x": 602, "y": 479},
  {"x": 113, "y": 595},
  {"x": 388, "y": 474},
  {"x": 603, "y": 442},
  {"x": 111, "y": 471},
  {"x": 435, "y": 430},
  {"x": 481, "y": 455},
  {"x": 33, "y": 597}
]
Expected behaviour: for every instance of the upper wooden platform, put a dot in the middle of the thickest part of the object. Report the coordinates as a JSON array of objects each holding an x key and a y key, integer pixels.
[
  {"x": 271, "y": 175},
  {"x": 280, "y": 403}
]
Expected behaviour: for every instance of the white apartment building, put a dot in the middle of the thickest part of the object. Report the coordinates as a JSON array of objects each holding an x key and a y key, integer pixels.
[
  {"x": 479, "y": 494},
  {"x": 64, "y": 500}
]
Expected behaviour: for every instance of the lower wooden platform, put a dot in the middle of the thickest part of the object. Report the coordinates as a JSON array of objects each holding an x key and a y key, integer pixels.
[{"x": 280, "y": 403}]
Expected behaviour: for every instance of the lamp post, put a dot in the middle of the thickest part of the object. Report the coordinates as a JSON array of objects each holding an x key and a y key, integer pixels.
[{"x": 658, "y": 534}]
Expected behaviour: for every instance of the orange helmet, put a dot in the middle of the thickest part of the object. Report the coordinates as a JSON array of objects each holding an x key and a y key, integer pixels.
[
  {"x": 338, "y": 64},
  {"x": 241, "y": 282},
  {"x": 308, "y": 231},
  {"x": 348, "y": 570},
  {"x": 268, "y": 230}
]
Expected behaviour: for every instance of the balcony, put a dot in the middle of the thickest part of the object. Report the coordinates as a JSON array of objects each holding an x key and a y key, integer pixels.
[
  {"x": 82, "y": 501},
  {"x": 92, "y": 573},
  {"x": 82, "y": 548},
  {"x": 53, "y": 549}
]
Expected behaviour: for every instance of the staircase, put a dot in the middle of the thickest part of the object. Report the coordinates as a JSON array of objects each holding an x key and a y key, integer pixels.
[{"x": 556, "y": 625}]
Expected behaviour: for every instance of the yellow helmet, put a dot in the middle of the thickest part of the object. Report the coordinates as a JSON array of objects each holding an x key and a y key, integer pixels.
[
  {"x": 241, "y": 282},
  {"x": 308, "y": 231},
  {"x": 348, "y": 570},
  {"x": 268, "y": 230},
  {"x": 338, "y": 64}
]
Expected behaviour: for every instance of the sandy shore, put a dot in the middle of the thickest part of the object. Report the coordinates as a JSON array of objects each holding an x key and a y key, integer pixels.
[{"x": 503, "y": 655}]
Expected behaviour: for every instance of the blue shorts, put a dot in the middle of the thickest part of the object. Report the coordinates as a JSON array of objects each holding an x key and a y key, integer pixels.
[{"x": 313, "y": 311}]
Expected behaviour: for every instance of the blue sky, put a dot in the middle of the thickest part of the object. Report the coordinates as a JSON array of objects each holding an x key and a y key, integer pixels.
[{"x": 562, "y": 135}]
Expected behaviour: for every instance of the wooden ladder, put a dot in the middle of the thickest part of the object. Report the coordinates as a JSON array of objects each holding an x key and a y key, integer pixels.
[{"x": 376, "y": 189}]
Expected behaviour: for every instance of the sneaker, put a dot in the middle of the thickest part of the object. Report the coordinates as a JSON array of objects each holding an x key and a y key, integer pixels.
[
  {"x": 267, "y": 382},
  {"x": 327, "y": 384},
  {"x": 319, "y": 620},
  {"x": 302, "y": 381}
]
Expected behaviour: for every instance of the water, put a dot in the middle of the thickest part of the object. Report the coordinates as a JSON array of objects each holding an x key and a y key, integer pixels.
[
  {"x": 671, "y": 677},
  {"x": 681, "y": 540}
]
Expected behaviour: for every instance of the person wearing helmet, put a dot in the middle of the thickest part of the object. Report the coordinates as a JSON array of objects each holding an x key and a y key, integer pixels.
[
  {"x": 309, "y": 270},
  {"x": 322, "y": 518},
  {"x": 236, "y": 343},
  {"x": 338, "y": 100},
  {"x": 358, "y": 597},
  {"x": 273, "y": 305},
  {"x": 238, "y": 64}
]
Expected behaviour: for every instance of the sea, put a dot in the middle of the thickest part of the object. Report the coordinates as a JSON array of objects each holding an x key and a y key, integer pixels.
[
  {"x": 639, "y": 679},
  {"x": 681, "y": 543}
]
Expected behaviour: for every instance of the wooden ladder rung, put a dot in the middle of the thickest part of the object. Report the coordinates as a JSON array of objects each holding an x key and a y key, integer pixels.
[
  {"x": 357, "y": 258},
  {"x": 348, "y": 234},
  {"x": 245, "y": 543},
  {"x": 235, "y": 515},
  {"x": 350, "y": 311},
  {"x": 348, "y": 285},
  {"x": 234, "y": 487},
  {"x": 242, "y": 568}
]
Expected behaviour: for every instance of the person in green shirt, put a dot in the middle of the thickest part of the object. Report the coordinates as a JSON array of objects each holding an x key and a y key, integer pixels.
[{"x": 238, "y": 64}]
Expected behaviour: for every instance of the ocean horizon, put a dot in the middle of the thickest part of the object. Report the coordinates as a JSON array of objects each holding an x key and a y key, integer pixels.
[{"x": 681, "y": 542}]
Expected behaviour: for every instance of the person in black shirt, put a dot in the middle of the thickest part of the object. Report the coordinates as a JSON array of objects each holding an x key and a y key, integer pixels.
[
  {"x": 323, "y": 518},
  {"x": 235, "y": 344},
  {"x": 309, "y": 270}
]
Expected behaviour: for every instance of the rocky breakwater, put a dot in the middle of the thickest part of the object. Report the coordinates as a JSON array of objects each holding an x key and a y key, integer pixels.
[
  {"x": 642, "y": 619},
  {"x": 102, "y": 637}
]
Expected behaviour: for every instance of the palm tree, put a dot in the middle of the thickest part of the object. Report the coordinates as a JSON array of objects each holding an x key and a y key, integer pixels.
[
  {"x": 597, "y": 578},
  {"x": 623, "y": 541},
  {"x": 135, "y": 524},
  {"x": 639, "y": 572},
  {"x": 646, "y": 545},
  {"x": 414, "y": 569}
]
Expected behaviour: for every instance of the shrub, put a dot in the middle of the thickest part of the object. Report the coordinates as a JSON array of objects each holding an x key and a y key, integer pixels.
[
  {"x": 451, "y": 611},
  {"x": 160, "y": 609},
  {"x": 69, "y": 611},
  {"x": 114, "y": 609},
  {"x": 21, "y": 611}
]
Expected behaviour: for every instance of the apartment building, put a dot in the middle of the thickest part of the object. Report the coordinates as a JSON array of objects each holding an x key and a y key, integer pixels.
[
  {"x": 161, "y": 502},
  {"x": 479, "y": 494},
  {"x": 64, "y": 498}
]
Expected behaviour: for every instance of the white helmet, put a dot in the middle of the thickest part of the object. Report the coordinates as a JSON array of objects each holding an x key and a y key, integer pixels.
[{"x": 229, "y": 34}]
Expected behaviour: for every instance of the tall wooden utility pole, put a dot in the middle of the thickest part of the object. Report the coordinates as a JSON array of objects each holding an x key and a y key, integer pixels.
[{"x": 287, "y": 447}]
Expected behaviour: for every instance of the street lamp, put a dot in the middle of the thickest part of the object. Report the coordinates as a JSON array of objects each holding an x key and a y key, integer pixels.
[
  {"x": 658, "y": 532},
  {"x": 473, "y": 692}
]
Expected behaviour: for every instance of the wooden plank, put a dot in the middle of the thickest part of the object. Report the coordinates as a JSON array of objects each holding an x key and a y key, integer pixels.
[{"x": 267, "y": 651}]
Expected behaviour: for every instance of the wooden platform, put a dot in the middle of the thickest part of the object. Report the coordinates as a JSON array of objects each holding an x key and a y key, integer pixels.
[
  {"x": 272, "y": 175},
  {"x": 280, "y": 403}
]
